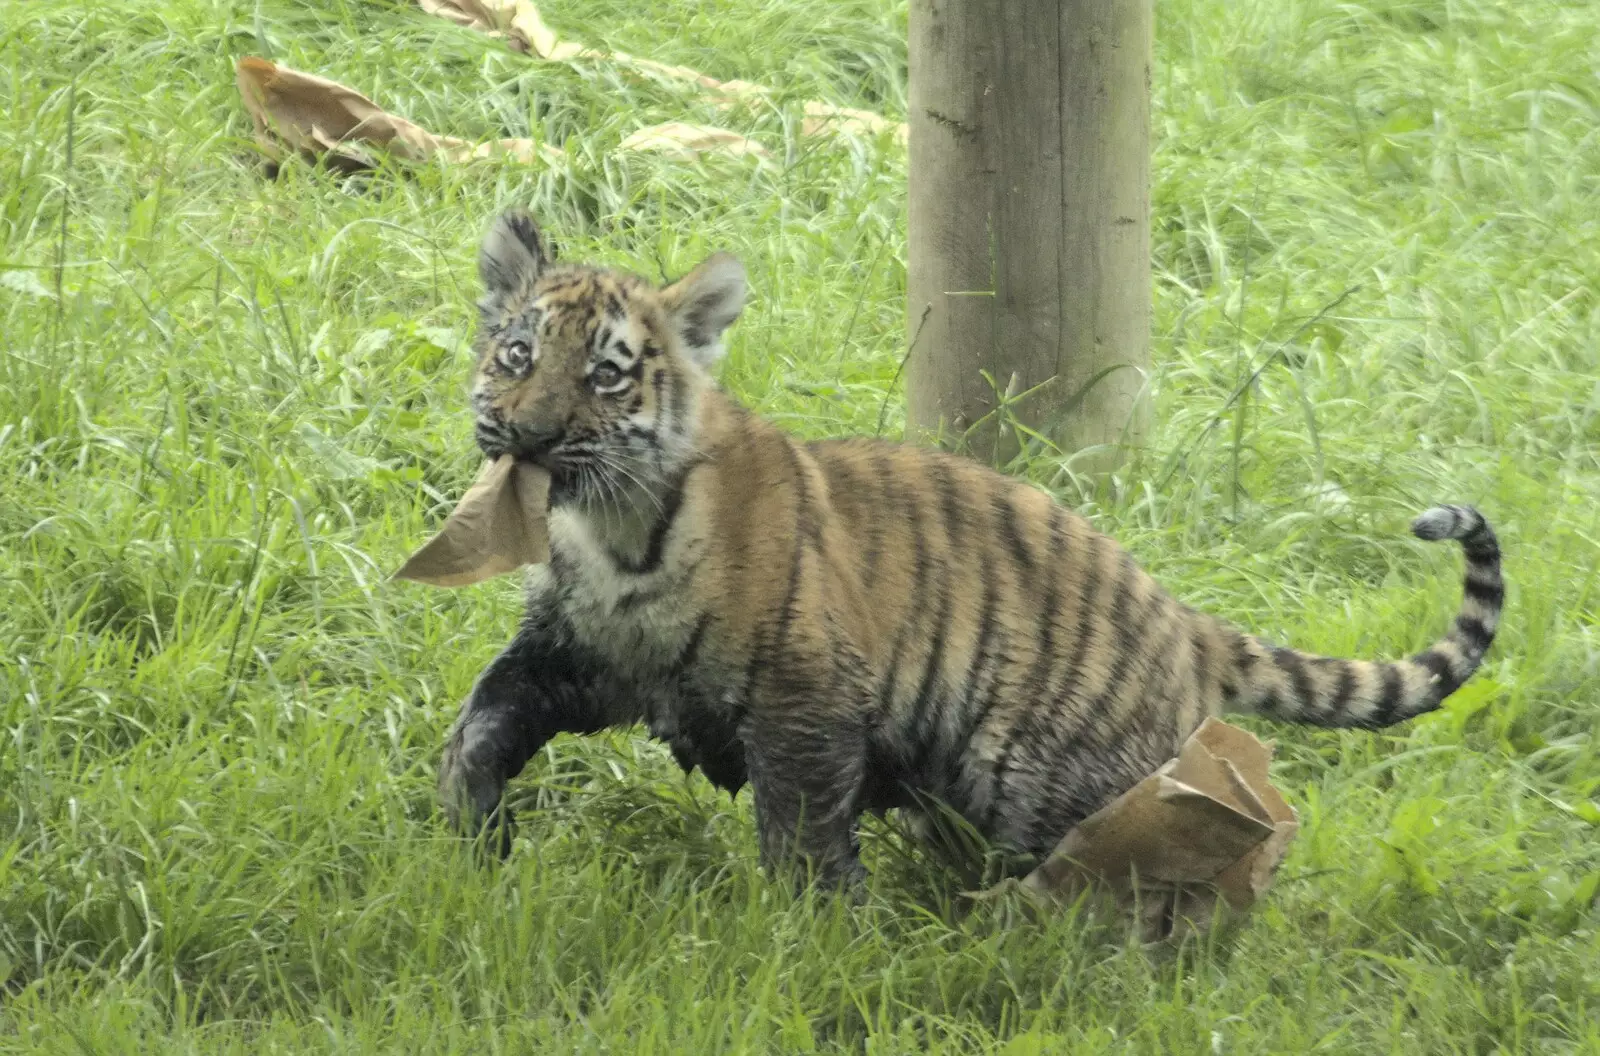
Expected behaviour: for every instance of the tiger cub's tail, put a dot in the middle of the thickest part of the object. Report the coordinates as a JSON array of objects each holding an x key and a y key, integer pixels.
[{"x": 1324, "y": 691}]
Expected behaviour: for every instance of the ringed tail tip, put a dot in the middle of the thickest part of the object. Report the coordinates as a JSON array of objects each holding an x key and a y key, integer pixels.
[
  {"x": 1326, "y": 691},
  {"x": 1447, "y": 522}
]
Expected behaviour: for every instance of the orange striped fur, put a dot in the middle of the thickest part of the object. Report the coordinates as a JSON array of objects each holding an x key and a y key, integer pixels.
[{"x": 847, "y": 625}]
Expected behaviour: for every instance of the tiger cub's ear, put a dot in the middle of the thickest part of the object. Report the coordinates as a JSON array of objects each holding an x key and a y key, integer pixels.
[
  {"x": 704, "y": 303},
  {"x": 512, "y": 255}
]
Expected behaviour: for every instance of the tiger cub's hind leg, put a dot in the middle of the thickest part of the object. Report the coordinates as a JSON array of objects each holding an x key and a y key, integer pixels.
[
  {"x": 807, "y": 773},
  {"x": 806, "y": 742}
]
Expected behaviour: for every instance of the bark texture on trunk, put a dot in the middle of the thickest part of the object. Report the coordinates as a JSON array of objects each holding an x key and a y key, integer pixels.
[{"x": 1029, "y": 226}]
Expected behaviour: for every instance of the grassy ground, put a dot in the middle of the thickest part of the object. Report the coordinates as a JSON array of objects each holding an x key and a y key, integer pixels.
[{"x": 229, "y": 406}]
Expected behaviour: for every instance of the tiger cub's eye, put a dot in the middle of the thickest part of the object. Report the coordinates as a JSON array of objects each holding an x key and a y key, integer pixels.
[
  {"x": 606, "y": 376},
  {"x": 515, "y": 357}
]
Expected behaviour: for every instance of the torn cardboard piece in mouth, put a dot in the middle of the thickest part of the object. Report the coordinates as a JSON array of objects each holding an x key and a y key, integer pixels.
[
  {"x": 1206, "y": 830},
  {"x": 498, "y": 527}
]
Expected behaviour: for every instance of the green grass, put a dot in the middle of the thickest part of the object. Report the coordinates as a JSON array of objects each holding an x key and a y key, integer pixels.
[{"x": 228, "y": 407}]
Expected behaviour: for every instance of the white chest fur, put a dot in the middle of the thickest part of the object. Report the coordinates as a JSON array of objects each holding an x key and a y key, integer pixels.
[{"x": 640, "y": 620}]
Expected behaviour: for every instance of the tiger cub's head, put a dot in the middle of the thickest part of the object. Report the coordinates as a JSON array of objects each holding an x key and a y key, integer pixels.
[{"x": 592, "y": 373}]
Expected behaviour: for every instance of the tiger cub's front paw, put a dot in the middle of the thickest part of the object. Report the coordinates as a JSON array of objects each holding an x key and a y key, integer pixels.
[{"x": 472, "y": 787}]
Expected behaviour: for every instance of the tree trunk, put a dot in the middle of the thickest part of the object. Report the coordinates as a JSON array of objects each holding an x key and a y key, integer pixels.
[{"x": 1029, "y": 227}]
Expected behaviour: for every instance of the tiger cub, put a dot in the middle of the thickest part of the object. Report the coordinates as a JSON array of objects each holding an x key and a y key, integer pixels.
[{"x": 848, "y": 625}]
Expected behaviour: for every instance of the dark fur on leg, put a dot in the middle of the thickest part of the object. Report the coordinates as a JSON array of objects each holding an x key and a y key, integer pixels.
[
  {"x": 532, "y": 691},
  {"x": 807, "y": 781}
]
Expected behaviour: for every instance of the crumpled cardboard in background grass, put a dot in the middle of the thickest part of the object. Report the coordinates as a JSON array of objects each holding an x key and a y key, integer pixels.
[
  {"x": 297, "y": 112},
  {"x": 1206, "y": 831},
  {"x": 497, "y": 527},
  {"x": 317, "y": 117},
  {"x": 823, "y": 117},
  {"x": 523, "y": 27},
  {"x": 518, "y": 21},
  {"x": 683, "y": 141}
]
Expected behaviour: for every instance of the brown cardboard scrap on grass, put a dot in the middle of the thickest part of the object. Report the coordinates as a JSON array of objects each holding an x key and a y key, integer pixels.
[
  {"x": 318, "y": 117},
  {"x": 523, "y": 28},
  {"x": 497, "y": 527},
  {"x": 297, "y": 112},
  {"x": 518, "y": 21},
  {"x": 1207, "y": 829},
  {"x": 821, "y": 117},
  {"x": 521, "y": 24},
  {"x": 683, "y": 141}
]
